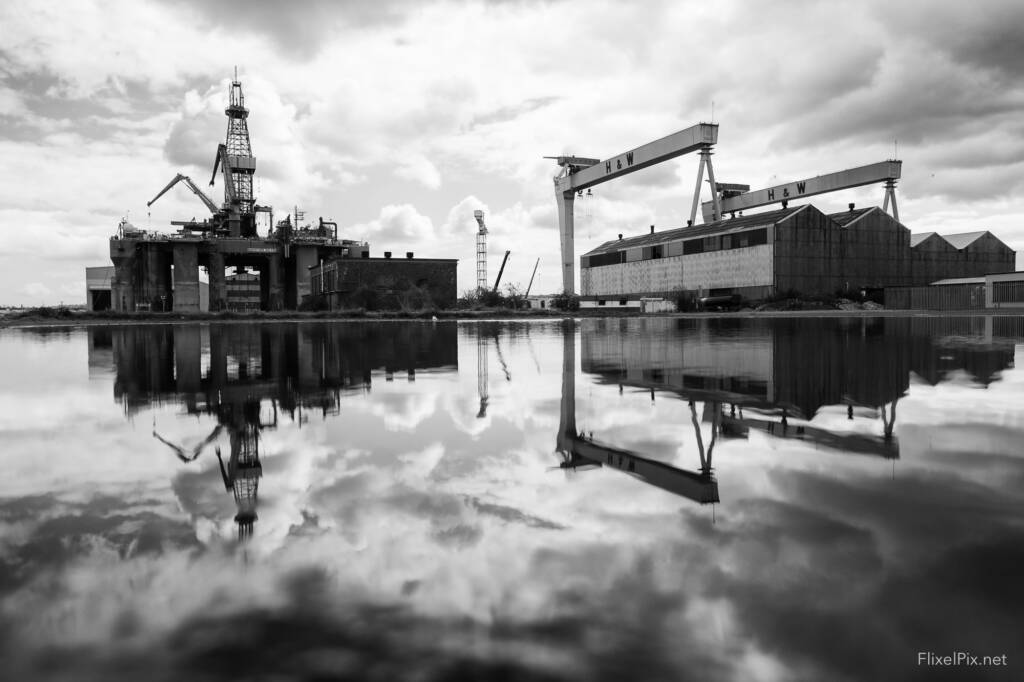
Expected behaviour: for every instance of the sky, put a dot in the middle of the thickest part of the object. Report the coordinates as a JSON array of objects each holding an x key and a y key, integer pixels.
[{"x": 398, "y": 119}]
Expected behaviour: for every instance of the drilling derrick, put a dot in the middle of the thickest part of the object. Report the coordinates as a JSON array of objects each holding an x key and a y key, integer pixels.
[
  {"x": 481, "y": 251},
  {"x": 238, "y": 165}
]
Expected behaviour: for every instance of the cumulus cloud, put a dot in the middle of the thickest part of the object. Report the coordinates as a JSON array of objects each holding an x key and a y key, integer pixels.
[{"x": 396, "y": 224}]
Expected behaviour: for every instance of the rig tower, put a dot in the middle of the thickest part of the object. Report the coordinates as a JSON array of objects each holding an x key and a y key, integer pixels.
[
  {"x": 481, "y": 251},
  {"x": 238, "y": 165}
]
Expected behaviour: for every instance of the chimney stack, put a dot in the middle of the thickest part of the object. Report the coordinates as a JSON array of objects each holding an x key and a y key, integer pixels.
[
  {"x": 689, "y": 223},
  {"x": 652, "y": 229},
  {"x": 851, "y": 206},
  {"x": 620, "y": 236},
  {"x": 408, "y": 254},
  {"x": 387, "y": 254}
]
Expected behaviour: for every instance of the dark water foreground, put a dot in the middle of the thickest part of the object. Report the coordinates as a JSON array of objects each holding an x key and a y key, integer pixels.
[{"x": 787, "y": 499}]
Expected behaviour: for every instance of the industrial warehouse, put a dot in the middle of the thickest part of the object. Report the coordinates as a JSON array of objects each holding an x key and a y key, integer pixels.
[
  {"x": 791, "y": 250},
  {"x": 796, "y": 249}
]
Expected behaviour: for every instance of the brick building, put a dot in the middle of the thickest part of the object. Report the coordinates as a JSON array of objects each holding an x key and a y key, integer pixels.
[{"x": 385, "y": 283}]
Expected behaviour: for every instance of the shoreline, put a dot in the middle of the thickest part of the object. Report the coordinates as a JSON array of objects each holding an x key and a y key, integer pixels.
[{"x": 99, "y": 320}]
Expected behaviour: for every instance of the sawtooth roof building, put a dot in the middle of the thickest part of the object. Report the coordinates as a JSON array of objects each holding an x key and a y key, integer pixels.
[{"x": 794, "y": 249}]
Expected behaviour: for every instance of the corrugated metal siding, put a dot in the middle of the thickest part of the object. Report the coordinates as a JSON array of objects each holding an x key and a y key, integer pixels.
[
  {"x": 950, "y": 297},
  {"x": 807, "y": 253},
  {"x": 873, "y": 251}
]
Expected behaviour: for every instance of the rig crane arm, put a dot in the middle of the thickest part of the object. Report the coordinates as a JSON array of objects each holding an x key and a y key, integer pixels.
[
  {"x": 221, "y": 161},
  {"x": 192, "y": 186}
]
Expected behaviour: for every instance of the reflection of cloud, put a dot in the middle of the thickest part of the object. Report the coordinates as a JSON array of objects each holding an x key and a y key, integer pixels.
[
  {"x": 402, "y": 410},
  {"x": 447, "y": 553}
]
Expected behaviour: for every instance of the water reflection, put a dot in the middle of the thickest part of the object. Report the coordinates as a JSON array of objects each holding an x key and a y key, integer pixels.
[
  {"x": 402, "y": 536},
  {"x": 770, "y": 376},
  {"x": 771, "y": 372},
  {"x": 579, "y": 450},
  {"x": 232, "y": 371}
]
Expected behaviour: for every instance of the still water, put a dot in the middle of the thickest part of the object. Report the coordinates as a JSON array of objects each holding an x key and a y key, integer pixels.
[{"x": 789, "y": 499}]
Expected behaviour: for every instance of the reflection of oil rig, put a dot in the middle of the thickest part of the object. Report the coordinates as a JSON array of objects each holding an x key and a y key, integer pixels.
[
  {"x": 243, "y": 471},
  {"x": 245, "y": 376}
]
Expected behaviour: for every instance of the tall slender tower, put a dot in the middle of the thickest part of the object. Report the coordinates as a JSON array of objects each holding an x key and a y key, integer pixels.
[
  {"x": 242, "y": 164},
  {"x": 481, "y": 251}
]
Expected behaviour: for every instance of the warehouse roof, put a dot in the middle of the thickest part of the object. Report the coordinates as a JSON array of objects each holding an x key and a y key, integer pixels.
[
  {"x": 958, "y": 280},
  {"x": 964, "y": 239},
  {"x": 916, "y": 239},
  {"x": 844, "y": 218},
  {"x": 718, "y": 227}
]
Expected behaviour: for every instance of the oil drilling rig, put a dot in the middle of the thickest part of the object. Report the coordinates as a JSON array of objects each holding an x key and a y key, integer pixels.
[
  {"x": 237, "y": 216},
  {"x": 161, "y": 271}
]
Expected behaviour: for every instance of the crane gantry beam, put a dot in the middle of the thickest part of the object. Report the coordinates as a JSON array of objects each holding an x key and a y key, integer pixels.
[
  {"x": 884, "y": 171},
  {"x": 580, "y": 173}
]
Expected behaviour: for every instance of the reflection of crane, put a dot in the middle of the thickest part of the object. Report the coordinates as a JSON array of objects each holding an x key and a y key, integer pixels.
[
  {"x": 885, "y": 445},
  {"x": 192, "y": 186},
  {"x": 481, "y": 251},
  {"x": 481, "y": 373},
  {"x": 501, "y": 356},
  {"x": 578, "y": 450},
  {"x": 196, "y": 451}
]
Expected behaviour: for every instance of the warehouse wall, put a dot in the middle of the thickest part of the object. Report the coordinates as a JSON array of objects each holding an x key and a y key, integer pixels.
[
  {"x": 874, "y": 251},
  {"x": 389, "y": 278},
  {"x": 931, "y": 260},
  {"x": 807, "y": 253},
  {"x": 659, "y": 274},
  {"x": 747, "y": 267},
  {"x": 733, "y": 268},
  {"x": 986, "y": 255}
]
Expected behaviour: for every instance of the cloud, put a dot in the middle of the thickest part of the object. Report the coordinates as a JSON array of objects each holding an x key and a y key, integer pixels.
[
  {"x": 397, "y": 224},
  {"x": 419, "y": 169},
  {"x": 36, "y": 290}
]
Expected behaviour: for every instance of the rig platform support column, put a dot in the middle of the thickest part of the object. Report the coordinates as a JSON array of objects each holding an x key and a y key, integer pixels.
[
  {"x": 305, "y": 258},
  {"x": 186, "y": 278},
  {"x": 122, "y": 285},
  {"x": 275, "y": 289},
  {"x": 218, "y": 283}
]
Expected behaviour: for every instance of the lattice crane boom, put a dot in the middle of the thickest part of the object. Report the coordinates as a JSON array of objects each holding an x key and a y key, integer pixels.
[{"x": 192, "y": 186}]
